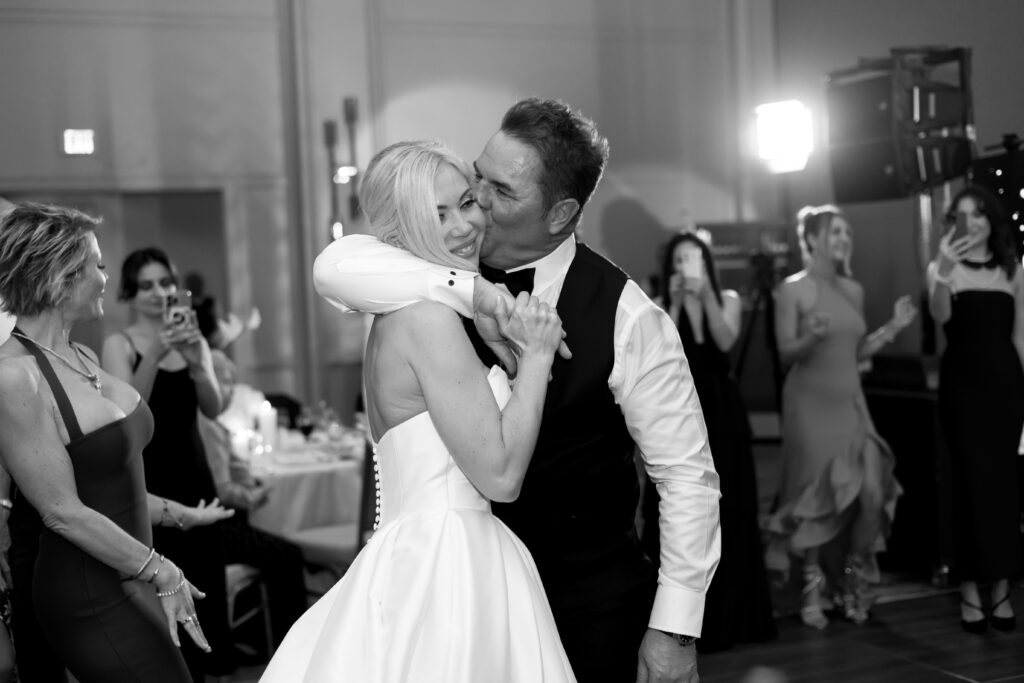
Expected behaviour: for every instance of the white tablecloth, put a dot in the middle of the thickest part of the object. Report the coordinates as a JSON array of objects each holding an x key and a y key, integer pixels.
[{"x": 305, "y": 493}]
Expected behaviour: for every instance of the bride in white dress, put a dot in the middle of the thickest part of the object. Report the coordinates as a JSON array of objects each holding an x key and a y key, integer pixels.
[{"x": 443, "y": 592}]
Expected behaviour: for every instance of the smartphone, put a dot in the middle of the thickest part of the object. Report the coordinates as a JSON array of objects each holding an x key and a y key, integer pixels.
[
  {"x": 961, "y": 226},
  {"x": 691, "y": 265},
  {"x": 178, "y": 309}
]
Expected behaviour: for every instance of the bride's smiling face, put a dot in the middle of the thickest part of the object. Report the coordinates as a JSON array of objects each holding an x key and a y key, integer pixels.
[{"x": 462, "y": 221}]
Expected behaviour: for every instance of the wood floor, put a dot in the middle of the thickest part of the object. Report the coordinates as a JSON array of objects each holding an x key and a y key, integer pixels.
[{"x": 909, "y": 640}]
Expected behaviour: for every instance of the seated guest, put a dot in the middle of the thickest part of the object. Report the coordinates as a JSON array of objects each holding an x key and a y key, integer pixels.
[{"x": 279, "y": 561}]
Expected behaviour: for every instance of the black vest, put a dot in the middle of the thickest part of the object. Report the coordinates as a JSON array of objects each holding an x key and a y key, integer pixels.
[{"x": 579, "y": 498}]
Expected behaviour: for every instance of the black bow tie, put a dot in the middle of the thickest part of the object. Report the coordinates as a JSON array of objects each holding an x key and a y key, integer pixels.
[{"x": 516, "y": 281}]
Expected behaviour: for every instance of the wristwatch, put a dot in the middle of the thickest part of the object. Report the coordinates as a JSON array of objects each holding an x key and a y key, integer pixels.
[{"x": 680, "y": 638}]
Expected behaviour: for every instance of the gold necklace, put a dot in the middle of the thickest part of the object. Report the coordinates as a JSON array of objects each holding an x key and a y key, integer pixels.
[{"x": 92, "y": 377}]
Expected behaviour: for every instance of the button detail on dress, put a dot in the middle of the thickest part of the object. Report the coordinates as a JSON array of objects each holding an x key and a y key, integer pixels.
[{"x": 376, "y": 484}]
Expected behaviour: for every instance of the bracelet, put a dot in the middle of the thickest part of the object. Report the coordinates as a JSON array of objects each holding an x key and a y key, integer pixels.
[
  {"x": 179, "y": 522},
  {"x": 6, "y": 503},
  {"x": 149, "y": 557},
  {"x": 156, "y": 571},
  {"x": 943, "y": 279},
  {"x": 176, "y": 589}
]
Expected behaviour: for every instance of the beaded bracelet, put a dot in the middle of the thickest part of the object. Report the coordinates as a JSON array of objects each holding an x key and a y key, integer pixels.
[
  {"x": 152, "y": 552},
  {"x": 176, "y": 589}
]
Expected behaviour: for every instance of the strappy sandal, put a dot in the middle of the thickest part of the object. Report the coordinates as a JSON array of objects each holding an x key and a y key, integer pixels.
[
  {"x": 811, "y": 612},
  {"x": 976, "y": 626},
  {"x": 856, "y": 602},
  {"x": 1003, "y": 623}
]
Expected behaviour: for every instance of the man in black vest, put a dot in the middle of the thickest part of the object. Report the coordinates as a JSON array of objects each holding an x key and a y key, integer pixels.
[{"x": 627, "y": 385}]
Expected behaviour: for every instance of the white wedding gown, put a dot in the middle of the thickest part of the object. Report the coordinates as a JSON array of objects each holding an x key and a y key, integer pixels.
[{"x": 443, "y": 592}]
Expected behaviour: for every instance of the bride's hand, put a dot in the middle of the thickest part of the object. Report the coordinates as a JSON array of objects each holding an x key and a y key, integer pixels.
[{"x": 534, "y": 326}]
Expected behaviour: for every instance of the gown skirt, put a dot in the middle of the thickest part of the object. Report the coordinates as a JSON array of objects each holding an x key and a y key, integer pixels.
[{"x": 443, "y": 592}]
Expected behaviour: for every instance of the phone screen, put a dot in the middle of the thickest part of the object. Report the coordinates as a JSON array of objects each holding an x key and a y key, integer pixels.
[
  {"x": 691, "y": 266},
  {"x": 961, "y": 225},
  {"x": 178, "y": 309}
]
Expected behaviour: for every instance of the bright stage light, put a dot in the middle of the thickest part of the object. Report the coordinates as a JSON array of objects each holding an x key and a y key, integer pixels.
[{"x": 785, "y": 137}]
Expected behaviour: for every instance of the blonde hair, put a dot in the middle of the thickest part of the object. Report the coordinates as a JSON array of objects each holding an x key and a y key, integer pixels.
[
  {"x": 397, "y": 195},
  {"x": 43, "y": 250}
]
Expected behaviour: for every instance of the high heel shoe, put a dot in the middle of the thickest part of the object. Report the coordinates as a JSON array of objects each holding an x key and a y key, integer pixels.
[
  {"x": 976, "y": 626},
  {"x": 811, "y": 612},
  {"x": 1003, "y": 624},
  {"x": 856, "y": 602}
]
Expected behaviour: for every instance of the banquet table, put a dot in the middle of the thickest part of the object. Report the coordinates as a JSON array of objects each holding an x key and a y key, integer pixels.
[{"x": 310, "y": 487}]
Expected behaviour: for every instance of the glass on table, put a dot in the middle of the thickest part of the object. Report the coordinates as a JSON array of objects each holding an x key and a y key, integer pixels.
[{"x": 306, "y": 421}]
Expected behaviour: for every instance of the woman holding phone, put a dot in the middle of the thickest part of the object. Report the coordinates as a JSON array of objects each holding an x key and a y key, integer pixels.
[
  {"x": 738, "y": 607},
  {"x": 976, "y": 291},
  {"x": 164, "y": 356}
]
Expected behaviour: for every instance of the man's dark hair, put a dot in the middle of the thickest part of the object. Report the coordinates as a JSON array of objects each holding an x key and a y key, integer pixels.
[{"x": 571, "y": 150}]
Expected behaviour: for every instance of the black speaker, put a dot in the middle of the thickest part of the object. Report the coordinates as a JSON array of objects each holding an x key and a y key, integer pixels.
[
  {"x": 895, "y": 167},
  {"x": 899, "y": 125},
  {"x": 866, "y": 171}
]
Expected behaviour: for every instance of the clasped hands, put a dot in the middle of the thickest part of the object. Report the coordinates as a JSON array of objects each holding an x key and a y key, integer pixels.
[{"x": 494, "y": 313}]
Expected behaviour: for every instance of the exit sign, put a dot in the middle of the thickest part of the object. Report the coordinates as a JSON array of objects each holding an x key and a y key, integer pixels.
[{"x": 79, "y": 141}]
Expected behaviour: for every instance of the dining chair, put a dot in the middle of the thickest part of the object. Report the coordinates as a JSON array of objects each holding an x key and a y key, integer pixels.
[{"x": 242, "y": 578}]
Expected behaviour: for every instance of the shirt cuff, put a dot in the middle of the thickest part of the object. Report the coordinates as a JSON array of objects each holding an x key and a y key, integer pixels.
[
  {"x": 677, "y": 610},
  {"x": 453, "y": 288}
]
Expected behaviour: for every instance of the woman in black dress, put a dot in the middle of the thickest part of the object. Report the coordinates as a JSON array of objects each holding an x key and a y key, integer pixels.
[
  {"x": 976, "y": 290},
  {"x": 72, "y": 438},
  {"x": 738, "y": 606},
  {"x": 171, "y": 366}
]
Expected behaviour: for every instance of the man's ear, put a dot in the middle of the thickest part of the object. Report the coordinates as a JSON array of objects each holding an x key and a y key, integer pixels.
[{"x": 561, "y": 214}]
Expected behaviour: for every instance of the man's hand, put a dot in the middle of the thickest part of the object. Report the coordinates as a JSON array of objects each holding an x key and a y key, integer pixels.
[
  {"x": 492, "y": 310},
  {"x": 486, "y": 315},
  {"x": 663, "y": 660}
]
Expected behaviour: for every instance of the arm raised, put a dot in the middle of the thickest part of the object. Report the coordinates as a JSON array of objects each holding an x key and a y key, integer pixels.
[{"x": 492, "y": 446}]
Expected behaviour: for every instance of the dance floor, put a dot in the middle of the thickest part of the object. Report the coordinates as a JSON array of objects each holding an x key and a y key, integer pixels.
[
  {"x": 914, "y": 636},
  {"x": 909, "y": 640},
  {"x": 915, "y": 640}
]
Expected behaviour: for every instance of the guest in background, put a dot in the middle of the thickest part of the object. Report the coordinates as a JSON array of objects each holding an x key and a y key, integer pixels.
[
  {"x": 279, "y": 561},
  {"x": 838, "y": 492},
  {"x": 976, "y": 291},
  {"x": 170, "y": 365},
  {"x": 738, "y": 607},
  {"x": 72, "y": 438}
]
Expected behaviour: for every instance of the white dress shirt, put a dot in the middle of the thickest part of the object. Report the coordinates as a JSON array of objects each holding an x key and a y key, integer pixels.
[{"x": 650, "y": 380}]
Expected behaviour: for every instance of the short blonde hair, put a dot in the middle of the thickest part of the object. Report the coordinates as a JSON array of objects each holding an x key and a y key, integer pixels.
[
  {"x": 397, "y": 195},
  {"x": 43, "y": 250}
]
